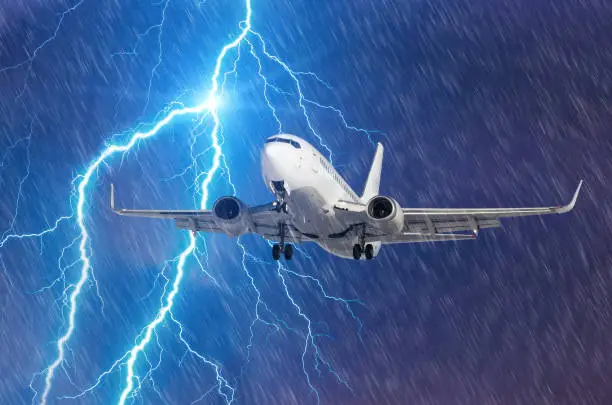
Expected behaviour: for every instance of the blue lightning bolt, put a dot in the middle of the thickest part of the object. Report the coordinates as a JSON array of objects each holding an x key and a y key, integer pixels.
[
  {"x": 29, "y": 61},
  {"x": 266, "y": 86},
  {"x": 302, "y": 100},
  {"x": 308, "y": 341},
  {"x": 310, "y": 337},
  {"x": 346, "y": 302},
  {"x": 84, "y": 236},
  {"x": 28, "y": 140},
  {"x": 46, "y": 42},
  {"x": 160, "y": 54},
  {"x": 246, "y": 24},
  {"x": 298, "y": 87},
  {"x": 8, "y": 150},
  {"x": 203, "y": 179},
  {"x": 39, "y": 234},
  {"x": 260, "y": 302},
  {"x": 225, "y": 390}
]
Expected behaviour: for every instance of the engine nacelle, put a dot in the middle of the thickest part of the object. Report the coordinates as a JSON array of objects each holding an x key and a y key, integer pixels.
[
  {"x": 231, "y": 215},
  {"x": 385, "y": 214}
]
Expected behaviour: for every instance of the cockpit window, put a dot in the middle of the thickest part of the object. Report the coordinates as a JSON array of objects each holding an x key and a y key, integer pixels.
[{"x": 295, "y": 144}]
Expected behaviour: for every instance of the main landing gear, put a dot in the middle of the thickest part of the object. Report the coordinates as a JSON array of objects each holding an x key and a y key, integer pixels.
[
  {"x": 282, "y": 247},
  {"x": 277, "y": 249},
  {"x": 363, "y": 248},
  {"x": 368, "y": 251}
]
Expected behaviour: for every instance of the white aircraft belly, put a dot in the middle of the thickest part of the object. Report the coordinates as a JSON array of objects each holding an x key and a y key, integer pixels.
[{"x": 308, "y": 209}]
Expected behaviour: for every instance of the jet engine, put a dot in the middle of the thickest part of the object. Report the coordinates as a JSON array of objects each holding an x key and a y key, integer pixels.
[
  {"x": 385, "y": 214},
  {"x": 231, "y": 215}
]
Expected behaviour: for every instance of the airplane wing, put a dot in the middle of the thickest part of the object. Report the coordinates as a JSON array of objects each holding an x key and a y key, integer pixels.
[
  {"x": 195, "y": 220},
  {"x": 263, "y": 220},
  {"x": 438, "y": 224}
]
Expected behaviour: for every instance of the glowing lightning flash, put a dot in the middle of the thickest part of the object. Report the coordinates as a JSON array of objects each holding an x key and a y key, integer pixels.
[
  {"x": 85, "y": 258},
  {"x": 208, "y": 108},
  {"x": 207, "y": 180}
]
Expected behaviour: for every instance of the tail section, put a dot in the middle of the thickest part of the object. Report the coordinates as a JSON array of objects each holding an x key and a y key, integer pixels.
[{"x": 373, "y": 182}]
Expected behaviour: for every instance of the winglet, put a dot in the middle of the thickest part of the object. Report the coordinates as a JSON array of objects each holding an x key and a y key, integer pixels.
[
  {"x": 572, "y": 203},
  {"x": 112, "y": 197}
]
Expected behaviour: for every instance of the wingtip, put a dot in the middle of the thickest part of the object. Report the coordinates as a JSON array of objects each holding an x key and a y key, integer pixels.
[
  {"x": 572, "y": 203},
  {"x": 112, "y": 196},
  {"x": 575, "y": 198}
]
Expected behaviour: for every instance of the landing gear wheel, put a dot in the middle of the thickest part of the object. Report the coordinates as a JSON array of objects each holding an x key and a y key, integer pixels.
[
  {"x": 288, "y": 252},
  {"x": 280, "y": 206},
  {"x": 357, "y": 252},
  {"x": 276, "y": 251},
  {"x": 369, "y": 251}
]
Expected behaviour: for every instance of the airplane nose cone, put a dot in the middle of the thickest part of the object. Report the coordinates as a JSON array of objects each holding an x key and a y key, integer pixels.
[
  {"x": 272, "y": 151},
  {"x": 272, "y": 156},
  {"x": 277, "y": 155},
  {"x": 281, "y": 161}
]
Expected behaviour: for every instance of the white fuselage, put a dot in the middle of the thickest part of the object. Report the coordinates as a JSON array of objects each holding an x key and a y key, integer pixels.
[{"x": 313, "y": 187}]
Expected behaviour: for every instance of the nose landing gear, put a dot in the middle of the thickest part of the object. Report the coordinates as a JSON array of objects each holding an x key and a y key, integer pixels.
[{"x": 278, "y": 187}]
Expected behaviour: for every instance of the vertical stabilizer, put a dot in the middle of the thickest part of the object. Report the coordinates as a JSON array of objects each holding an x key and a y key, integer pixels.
[{"x": 373, "y": 182}]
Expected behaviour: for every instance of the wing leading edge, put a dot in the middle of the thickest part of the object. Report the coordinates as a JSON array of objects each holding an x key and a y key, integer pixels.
[
  {"x": 498, "y": 212},
  {"x": 263, "y": 220},
  {"x": 166, "y": 214},
  {"x": 194, "y": 220},
  {"x": 444, "y": 220},
  {"x": 440, "y": 224}
]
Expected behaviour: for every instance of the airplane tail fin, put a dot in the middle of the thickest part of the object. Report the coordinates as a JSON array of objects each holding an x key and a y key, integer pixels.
[{"x": 373, "y": 182}]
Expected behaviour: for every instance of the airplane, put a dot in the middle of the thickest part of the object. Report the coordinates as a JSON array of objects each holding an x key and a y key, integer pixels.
[{"x": 315, "y": 204}]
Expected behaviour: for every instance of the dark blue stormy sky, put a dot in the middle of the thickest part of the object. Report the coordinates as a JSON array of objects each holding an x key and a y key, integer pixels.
[{"x": 481, "y": 103}]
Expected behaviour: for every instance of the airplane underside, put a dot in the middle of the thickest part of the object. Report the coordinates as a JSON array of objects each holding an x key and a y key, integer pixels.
[{"x": 314, "y": 221}]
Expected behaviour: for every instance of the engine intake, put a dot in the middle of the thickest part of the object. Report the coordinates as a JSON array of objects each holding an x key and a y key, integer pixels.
[
  {"x": 385, "y": 214},
  {"x": 227, "y": 208},
  {"x": 380, "y": 207},
  {"x": 231, "y": 215}
]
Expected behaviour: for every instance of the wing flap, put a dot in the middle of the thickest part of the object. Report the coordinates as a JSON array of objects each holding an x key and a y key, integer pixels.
[
  {"x": 409, "y": 237},
  {"x": 434, "y": 224},
  {"x": 197, "y": 224}
]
